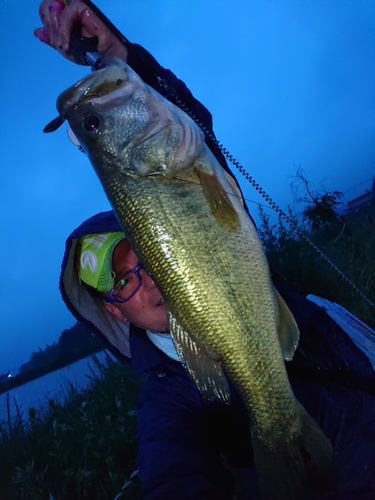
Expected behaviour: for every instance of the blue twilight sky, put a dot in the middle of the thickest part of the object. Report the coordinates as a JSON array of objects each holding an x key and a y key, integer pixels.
[{"x": 289, "y": 82}]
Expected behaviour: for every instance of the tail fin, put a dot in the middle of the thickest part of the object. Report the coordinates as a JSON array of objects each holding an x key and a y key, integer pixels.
[{"x": 298, "y": 468}]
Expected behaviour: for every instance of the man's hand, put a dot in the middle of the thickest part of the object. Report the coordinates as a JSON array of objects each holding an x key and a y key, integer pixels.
[{"x": 58, "y": 20}]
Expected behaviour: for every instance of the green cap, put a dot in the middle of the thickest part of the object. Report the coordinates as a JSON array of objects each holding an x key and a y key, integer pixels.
[{"x": 95, "y": 259}]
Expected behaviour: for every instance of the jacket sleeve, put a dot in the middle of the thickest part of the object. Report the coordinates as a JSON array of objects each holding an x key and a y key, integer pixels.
[
  {"x": 178, "y": 455},
  {"x": 181, "y": 435},
  {"x": 334, "y": 380}
]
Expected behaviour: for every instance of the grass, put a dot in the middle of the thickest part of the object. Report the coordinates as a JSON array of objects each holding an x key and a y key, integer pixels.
[
  {"x": 349, "y": 244},
  {"x": 82, "y": 448}
]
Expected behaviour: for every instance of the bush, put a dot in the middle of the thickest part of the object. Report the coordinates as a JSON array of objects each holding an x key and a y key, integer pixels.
[
  {"x": 82, "y": 448},
  {"x": 347, "y": 242}
]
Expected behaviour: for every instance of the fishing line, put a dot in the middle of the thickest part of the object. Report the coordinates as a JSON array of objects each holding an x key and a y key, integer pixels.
[{"x": 238, "y": 166}]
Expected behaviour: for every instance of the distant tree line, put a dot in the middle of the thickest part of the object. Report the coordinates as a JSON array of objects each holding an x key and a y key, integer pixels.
[{"x": 73, "y": 344}]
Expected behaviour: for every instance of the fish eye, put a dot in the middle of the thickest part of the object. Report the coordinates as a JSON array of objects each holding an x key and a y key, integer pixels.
[{"x": 92, "y": 123}]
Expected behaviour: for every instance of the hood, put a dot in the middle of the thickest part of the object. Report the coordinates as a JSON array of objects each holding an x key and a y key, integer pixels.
[{"x": 85, "y": 308}]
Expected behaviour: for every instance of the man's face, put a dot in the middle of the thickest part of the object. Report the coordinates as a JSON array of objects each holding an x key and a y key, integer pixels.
[{"x": 145, "y": 309}]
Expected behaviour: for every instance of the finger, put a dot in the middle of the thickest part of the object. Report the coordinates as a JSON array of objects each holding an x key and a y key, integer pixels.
[
  {"x": 108, "y": 42},
  {"x": 74, "y": 13},
  {"x": 42, "y": 35},
  {"x": 55, "y": 9},
  {"x": 44, "y": 13},
  {"x": 49, "y": 10}
]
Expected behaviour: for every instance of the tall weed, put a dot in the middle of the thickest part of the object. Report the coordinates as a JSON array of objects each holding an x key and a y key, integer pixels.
[
  {"x": 349, "y": 243},
  {"x": 82, "y": 448}
]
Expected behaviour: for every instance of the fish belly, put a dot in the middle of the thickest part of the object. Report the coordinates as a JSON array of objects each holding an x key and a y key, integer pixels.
[{"x": 214, "y": 281}]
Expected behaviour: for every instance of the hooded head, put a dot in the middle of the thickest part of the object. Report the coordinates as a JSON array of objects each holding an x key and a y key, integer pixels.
[{"x": 94, "y": 269}]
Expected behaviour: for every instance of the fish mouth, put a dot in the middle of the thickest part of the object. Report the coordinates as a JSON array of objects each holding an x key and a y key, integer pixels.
[
  {"x": 102, "y": 85},
  {"x": 107, "y": 83}
]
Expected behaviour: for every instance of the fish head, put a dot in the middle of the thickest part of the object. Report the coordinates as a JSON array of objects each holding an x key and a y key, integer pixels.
[{"x": 121, "y": 122}]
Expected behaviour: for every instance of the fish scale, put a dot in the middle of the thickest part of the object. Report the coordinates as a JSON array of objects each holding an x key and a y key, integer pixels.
[
  {"x": 211, "y": 309},
  {"x": 185, "y": 221}
]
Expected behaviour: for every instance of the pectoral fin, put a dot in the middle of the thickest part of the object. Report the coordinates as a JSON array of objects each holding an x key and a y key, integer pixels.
[
  {"x": 287, "y": 329},
  {"x": 218, "y": 200},
  {"x": 204, "y": 369}
]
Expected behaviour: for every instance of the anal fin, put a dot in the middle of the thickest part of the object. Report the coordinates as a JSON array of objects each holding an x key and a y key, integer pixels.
[{"x": 205, "y": 370}]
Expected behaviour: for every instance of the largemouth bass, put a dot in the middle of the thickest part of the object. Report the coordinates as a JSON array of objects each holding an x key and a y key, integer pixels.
[{"x": 185, "y": 221}]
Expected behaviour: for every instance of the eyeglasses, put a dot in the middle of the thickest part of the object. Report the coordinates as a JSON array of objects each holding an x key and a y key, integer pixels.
[{"x": 126, "y": 286}]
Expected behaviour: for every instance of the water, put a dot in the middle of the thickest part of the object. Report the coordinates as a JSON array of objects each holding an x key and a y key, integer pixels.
[{"x": 35, "y": 394}]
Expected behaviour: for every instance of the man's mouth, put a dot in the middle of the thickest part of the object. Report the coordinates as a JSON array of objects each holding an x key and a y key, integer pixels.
[{"x": 161, "y": 301}]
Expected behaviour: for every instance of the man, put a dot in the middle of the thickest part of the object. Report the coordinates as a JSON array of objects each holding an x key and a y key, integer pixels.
[{"x": 188, "y": 446}]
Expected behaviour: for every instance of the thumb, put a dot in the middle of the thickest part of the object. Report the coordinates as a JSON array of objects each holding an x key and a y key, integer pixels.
[{"x": 43, "y": 35}]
